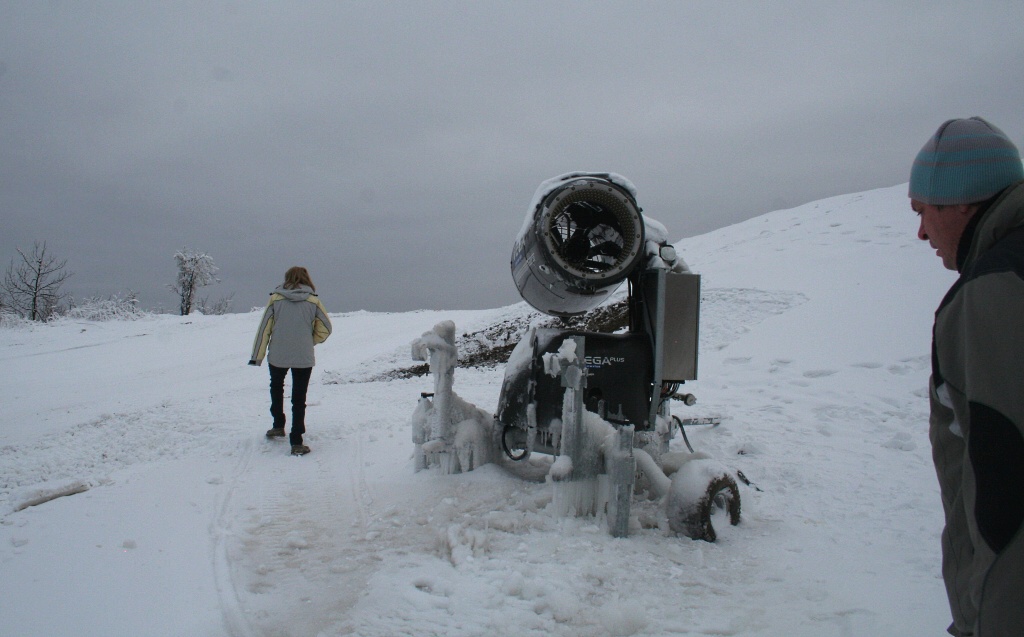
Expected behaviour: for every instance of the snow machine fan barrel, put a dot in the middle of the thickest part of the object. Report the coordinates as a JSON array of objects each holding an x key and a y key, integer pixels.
[{"x": 580, "y": 241}]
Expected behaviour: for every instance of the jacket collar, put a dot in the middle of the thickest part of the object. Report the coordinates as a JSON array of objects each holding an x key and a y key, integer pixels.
[{"x": 996, "y": 217}]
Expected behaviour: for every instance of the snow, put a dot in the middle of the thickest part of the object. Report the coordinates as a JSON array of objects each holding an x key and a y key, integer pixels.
[
  {"x": 549, "y": 185},
  {"x": 138, "y": 495}
]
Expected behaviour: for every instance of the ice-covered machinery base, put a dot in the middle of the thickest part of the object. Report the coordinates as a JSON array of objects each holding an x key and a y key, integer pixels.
[
  {"x": 597, "y": 403},
  {"x": 597, "y": 466}
]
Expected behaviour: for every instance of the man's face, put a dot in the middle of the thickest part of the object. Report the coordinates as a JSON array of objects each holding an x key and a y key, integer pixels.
[{"x": 942, "y": 227}]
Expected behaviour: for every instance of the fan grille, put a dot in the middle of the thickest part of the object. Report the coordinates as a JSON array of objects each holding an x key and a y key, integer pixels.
[{"x": 593, "y": 231}]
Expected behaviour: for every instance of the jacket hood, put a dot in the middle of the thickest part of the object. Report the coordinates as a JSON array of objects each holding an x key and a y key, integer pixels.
[
  {"x": 1006, "y": 214},
  {"x": 300, "y": 293}
]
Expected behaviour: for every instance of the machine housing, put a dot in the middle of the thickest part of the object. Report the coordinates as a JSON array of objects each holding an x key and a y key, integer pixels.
[{"x": 629, "y": 375}]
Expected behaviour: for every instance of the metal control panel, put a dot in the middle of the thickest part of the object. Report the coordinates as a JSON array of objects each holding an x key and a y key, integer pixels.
[{"x": 682, "y": 324}]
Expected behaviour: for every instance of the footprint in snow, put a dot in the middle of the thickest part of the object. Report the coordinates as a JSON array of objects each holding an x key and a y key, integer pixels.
[
  {"x": 295, "y": 540},
  {"x": 819, "y": 373},
  {"x": 901, "y": 442},
  {"x": 901, "y": 370}
]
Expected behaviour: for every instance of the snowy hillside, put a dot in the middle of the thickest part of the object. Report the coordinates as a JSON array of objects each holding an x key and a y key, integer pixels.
[{"x": 181, "y": 519}]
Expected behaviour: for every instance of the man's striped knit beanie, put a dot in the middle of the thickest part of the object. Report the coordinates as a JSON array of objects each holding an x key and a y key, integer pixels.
[{"x": 966, "y": 161}]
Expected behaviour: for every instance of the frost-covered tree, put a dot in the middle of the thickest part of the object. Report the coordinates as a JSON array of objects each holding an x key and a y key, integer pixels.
[
  {"x": 195, "y": 270},
  {"x": 32, "y": 284},
  {"x": 222, "y": 306},
  {"x": 116, "y": 307}
]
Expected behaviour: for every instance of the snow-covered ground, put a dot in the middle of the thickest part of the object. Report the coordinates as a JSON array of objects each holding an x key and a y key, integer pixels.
[{"x": 181, "y": 519}]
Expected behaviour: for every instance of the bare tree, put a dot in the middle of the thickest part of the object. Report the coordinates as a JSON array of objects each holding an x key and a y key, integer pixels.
[
  {"x": 32, "y": 287},
  {"x": 195, "y": 270}
]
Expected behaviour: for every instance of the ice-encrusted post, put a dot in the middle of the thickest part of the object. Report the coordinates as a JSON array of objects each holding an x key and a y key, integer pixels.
[
  {"x": 449, "y": 432},
  {"x": 438, "y": 348},
  {"x": 421, "y": 430},
  {"x": 621, "y": 467},
  {"x": 575, "y": 471},
  {"x": 574, "y": 381}
]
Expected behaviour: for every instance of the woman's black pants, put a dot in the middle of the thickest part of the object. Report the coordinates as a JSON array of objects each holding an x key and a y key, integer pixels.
[{"x": 300, "y": 382}]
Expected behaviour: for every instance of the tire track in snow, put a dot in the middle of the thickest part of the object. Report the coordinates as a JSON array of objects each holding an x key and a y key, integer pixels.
[
  {"x": 299, "y": 559},
  {"x": 357, "y": 480},
  {"x": 222, "y": 530}
]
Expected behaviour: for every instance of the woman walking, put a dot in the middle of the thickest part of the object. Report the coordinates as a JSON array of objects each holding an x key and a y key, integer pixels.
[{"x": 292, "y": 324}]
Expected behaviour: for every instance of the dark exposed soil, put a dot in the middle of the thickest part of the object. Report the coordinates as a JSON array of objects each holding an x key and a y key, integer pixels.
[{"x": 492, "y": 346}]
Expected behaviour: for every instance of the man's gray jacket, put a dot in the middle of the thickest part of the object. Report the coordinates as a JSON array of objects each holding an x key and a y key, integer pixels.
[{"x": 977, "y": 422}]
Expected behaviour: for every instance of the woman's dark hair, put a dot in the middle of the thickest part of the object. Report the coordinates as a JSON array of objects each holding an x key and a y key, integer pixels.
[{"x": 297, "y": 276}]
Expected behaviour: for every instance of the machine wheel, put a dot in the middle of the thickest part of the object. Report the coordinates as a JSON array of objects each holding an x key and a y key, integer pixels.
[
  {"x": 513, "y": 442},
  {"x": 694, "y": 512}
]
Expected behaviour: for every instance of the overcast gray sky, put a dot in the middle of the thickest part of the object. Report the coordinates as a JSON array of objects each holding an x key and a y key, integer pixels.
[{"x": 393, "y": 147}]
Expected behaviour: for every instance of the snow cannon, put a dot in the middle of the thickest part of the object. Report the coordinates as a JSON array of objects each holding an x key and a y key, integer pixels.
[
  {"x": 582, "y": 237},
  {"x": 599, "y": 402}
]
